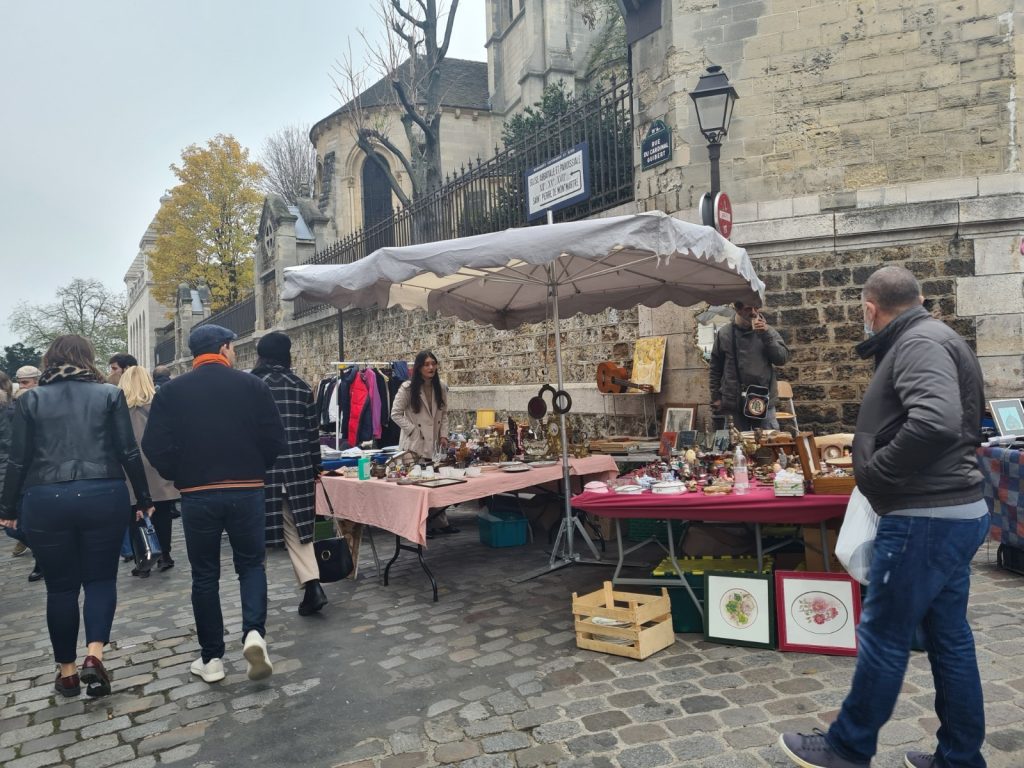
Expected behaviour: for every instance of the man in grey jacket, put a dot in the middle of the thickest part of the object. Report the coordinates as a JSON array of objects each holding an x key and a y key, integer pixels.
[
  {"x": 914, "y": 459},
  {"x": 744, "y": 354}
]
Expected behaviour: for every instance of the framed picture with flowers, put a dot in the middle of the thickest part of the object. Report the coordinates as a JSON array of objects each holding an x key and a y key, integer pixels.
[
  {"x": 817, "y": 612},
  {"x": 739, "y": 609}
]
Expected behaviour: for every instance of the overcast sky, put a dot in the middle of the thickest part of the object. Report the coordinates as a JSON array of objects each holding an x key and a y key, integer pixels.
[{"x": 100, "y": 98}]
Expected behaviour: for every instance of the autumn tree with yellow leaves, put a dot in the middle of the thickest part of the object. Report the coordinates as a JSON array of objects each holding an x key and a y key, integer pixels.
[{"x": 206, "y": 229}]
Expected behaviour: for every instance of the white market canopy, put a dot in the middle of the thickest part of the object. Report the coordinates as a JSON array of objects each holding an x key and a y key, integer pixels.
[{"x": 508, "y": 278}]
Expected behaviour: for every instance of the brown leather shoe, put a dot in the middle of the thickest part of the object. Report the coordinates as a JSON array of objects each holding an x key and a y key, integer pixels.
[
  {"x": 95, "y": 677},
  {"x": 67, "y": 686}
]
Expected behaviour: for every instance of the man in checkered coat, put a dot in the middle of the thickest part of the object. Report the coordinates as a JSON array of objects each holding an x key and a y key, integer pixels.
[{"x": 290, "y": 484}]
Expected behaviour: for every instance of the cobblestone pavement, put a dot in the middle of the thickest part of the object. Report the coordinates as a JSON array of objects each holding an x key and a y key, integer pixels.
[{"x": 489, "y": 677}]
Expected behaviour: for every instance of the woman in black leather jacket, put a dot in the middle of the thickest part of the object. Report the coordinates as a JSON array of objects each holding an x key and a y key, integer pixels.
[{"x": 71, "y": 446}]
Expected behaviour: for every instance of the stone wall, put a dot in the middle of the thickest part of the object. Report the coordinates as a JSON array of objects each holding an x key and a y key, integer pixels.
[{"x": 835, "y": 96}]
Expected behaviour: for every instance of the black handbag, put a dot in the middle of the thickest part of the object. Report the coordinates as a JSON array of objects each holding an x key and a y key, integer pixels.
[
  {"x": 333, "y": 557},
  {"x": 145, "y": 543}
]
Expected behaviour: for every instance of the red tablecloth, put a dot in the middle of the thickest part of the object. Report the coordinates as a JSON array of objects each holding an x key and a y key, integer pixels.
[{"x": 759, "y": 506}]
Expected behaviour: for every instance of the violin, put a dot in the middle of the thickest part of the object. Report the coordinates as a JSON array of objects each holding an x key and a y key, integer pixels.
[{"x": 613, "y": 379}]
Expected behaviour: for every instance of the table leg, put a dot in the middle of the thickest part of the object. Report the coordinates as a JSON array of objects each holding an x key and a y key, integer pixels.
[
  {"x": 760, "y": 553},
  {"x": 418, "y": 549},
  {"x": 682, "y": 582}
]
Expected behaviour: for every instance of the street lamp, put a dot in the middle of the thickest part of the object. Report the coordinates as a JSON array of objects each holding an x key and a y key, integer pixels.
[{"x": 714, "y": 98}]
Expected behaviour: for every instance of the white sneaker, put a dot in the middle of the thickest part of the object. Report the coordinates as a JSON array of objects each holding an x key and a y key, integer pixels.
[
  {"x": 255, "y": 651},
  {"x": 211, "y": 671}
]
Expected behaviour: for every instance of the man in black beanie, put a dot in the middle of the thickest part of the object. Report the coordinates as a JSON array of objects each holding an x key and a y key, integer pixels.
[
  {"x": 215, "y": 432},
  {"x": 290, "y": 487}
]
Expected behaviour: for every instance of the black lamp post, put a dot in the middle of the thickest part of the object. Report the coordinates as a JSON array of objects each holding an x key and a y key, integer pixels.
[{"x": 714, "y": 98}]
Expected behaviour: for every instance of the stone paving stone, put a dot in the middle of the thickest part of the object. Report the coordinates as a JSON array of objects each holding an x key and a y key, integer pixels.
[
  {"x": 439, "y": 707},
  {"x": 456, "y": 751},
  {"x": 542, "y": 754},
  {"x": 749, "y": 694},
  {"x": 585, "y": 707},
  {"x": 549, "y": 732},
  {"x": 492, "y": 659},
  {"x": 98, "y": 744},
  {"x": 109, "y": 726},
  {"x": 703, "y": 703},
  {"x": 505, "y": 742},
  {"x": 506, "y": 703},
  {"x": 489, "y": 761},
  {"x": 685, "y": 726},
  {"x": 443, "y": 730},
  {"x": 106, "y": 758},
  {"x": 645, "y": 756},
  {"x": 172, "y": 738},
  {"x": 407, "y": 760},
  {"x": 405, "y": 742},
  {"x": 592, "y": 742},
  {"x": 35, "y": 761},
  {"x": 650, "y": 713},
  {"x": 631, "y": 699},
  {"x": 53, "y": 741},
  {"x": 750, "y": 736},
  {"x": 643, "y": 733},
  {"x": 534, "y": 717},
  {"x": 489, "y": 726},
  {"x": 606, "y": 721},
  {"x": 19, "y": 735},
  {"x": 693, "y": 747}
]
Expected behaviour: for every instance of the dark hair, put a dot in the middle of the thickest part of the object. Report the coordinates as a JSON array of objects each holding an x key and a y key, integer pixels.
[
  {"x": 123, "y": 360},
  {"x": 417, "y": 381},
  {"x": 266, "y": 362},
  {"x": 892, "y": 288},
  {"x": 73, "y": 350},
  {"x": 6, "y": 388},
  {"x": 161, "y": 370}
]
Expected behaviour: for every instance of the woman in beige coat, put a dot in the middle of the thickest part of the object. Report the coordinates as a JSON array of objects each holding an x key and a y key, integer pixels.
[
  {"x": 139, "y": 389},
  {"x": 421, "y": 410}
]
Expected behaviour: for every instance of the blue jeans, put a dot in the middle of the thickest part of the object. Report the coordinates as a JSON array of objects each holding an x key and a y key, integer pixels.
[
  {"x": 75, "y": 530},
  {"x": 205, "y": 515},
  {"x": 920, "y": 575}
]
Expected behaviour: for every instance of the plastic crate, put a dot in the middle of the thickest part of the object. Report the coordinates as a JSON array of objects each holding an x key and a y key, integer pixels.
[
  {"x": 685, "y": 616},
  {"x": 641, "y": 529},
  {"x": 502, "y": 528}
]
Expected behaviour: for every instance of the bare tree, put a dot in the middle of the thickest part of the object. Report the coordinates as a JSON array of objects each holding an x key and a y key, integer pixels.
[
  {"x": 85, "y": 307},
  {"x": 410, "y": 58},
  {"x": 289, "y": 158}
]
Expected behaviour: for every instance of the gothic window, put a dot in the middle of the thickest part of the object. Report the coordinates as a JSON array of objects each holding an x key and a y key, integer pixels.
[{"x": 377, "y": 210}]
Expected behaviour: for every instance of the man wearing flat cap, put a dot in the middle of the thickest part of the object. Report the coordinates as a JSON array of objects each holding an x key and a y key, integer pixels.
[
  {"x": 27, "y": 377},
  {"x": 216, "y": 432}
]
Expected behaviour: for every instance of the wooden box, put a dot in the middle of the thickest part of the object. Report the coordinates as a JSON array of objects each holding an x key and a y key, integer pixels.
[
  {"x": 636, "y": 625},
  {"x": 814, "y": 558},
  {"x": 841, "y": 486}
]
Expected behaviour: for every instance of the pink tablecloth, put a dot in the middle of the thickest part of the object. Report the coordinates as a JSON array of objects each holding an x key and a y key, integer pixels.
[
  {"x": 402, "y": 509},
  {"x": 759, "y": 506}
]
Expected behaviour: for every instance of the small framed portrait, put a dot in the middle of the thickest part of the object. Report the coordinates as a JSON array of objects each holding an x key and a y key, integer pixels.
[
  {"x": 1008, "y": 416},
  {"x": 810, "y": 460},
  {"x": 817, "y": 612},
  {"x": 679, "y": 417},
  {"x": 739, "y": 609}
]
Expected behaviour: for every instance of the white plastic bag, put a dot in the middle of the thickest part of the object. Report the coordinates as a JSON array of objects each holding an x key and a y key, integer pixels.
[{"x": 857, "y": 537}]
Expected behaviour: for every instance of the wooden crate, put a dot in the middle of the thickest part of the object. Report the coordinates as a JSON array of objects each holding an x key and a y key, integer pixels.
[
  {"x": 648, "y": 620},
  {"x": 834, "y": 485}
]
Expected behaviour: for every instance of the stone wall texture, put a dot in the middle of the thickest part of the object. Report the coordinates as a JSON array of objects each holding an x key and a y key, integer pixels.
[{"x": 835, "y": 96}]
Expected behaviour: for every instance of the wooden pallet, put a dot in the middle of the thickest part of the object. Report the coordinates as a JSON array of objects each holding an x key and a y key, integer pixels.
[{"x": 646, "y": 619}]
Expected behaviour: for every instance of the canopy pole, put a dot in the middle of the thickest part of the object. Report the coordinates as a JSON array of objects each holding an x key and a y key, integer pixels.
[{"x": 570, "y": 524}]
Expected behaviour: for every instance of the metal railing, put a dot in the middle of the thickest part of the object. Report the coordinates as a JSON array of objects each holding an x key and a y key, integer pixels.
[
  {"x": 489, "y": 196},
  {"x": 240, "y": 317}
]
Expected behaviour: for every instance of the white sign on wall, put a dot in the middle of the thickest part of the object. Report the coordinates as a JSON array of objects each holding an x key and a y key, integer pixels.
[{"x": 558, "y": 183}]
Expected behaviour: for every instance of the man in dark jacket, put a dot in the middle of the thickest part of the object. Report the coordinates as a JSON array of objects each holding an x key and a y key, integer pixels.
[
  {"x": 914, "y": 459},
  {"x": 744, "y": 354},
  {"x": 215, "y": 432}
]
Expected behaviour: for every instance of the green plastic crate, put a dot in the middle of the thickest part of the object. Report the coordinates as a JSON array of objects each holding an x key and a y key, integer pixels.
[
  {"x": 685, "y": 617},
  {"x": 502, "y": 528}
]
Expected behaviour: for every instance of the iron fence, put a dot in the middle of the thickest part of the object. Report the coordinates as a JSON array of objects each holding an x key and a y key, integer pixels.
[
  {"x": 240, "y": 317},
  {"x": 490, "y": 195}
]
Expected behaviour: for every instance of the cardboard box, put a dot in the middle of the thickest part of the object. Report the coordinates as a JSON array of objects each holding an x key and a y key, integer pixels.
[{"x": 813, "y": 559}]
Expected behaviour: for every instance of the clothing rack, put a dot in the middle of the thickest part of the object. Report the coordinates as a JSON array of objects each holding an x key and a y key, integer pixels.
[{"x": 341, "y": 365}]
